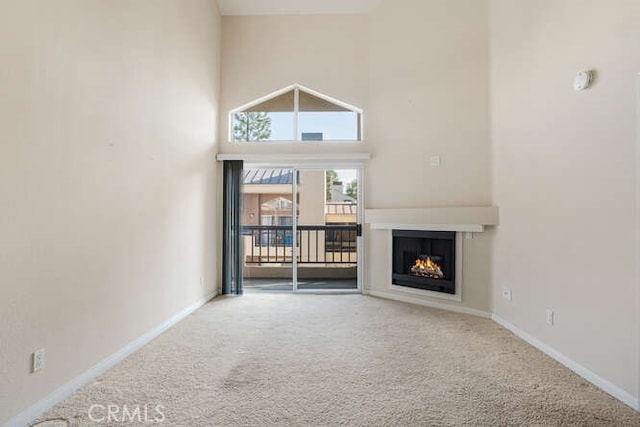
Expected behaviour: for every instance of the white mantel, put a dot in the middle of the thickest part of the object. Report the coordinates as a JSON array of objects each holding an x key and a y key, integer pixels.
[{"x": 466, "y": 219}]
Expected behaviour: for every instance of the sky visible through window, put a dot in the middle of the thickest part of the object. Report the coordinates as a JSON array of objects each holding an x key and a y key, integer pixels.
[
  {"x": 335, "y": 126},
  {"x": 346, "y": 175}
]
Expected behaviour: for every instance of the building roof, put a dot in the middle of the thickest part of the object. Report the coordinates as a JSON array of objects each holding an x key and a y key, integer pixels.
[
  {"x": 338, "y": 196},
  {"x": 268, "y": 176},
  {"x": 278, "y": 204},
  {"x": 341, "y": 208}
]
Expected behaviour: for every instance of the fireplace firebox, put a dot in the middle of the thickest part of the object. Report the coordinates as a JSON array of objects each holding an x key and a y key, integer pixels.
[{"x": 424, "y": 260}]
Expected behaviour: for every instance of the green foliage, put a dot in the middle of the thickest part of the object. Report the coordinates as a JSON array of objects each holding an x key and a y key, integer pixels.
[
  {"x": 331, "y": 176},
  {"x": 251, "y": 126},
  {"x": 352, "y": 189}
]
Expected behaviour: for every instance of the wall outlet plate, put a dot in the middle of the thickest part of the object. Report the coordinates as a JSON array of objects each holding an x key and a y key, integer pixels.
[
  {"x": 506, "y": 293},
  {"x": 38, "y": 360},
  {"x": 435, "y": 161}
]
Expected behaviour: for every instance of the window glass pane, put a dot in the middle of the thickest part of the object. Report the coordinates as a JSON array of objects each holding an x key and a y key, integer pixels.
[
  {"x": 286, "y": 220},
  {"x": 274, "y": 120},
  {"x": 262, "y": 126},
  {"x": 328, "y": 126},
  {"x": 321, "y": 120},
  {"x": 281, "y": 126},
  {"x": 271, "y": 120}
]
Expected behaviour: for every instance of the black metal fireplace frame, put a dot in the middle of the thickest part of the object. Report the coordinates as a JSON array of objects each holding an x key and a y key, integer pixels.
[{"x": 447, "y": 285}]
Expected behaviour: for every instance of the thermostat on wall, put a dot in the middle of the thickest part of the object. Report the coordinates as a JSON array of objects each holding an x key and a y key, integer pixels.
[{"x": 583, "y": 80}]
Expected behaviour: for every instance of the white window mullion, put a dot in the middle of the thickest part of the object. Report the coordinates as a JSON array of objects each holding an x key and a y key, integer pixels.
[
  {"x": 294, "y": 230},
  {"x": 296, "y": 105}
]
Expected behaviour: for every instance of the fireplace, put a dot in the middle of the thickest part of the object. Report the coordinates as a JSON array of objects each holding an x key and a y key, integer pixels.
[{"x": 424, "y": 260}]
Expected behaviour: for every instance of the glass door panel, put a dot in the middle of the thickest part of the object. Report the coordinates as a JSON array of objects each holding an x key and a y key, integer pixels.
[
  {"x": 267, "y": 229},
  {"x": 327, "y": 229}
]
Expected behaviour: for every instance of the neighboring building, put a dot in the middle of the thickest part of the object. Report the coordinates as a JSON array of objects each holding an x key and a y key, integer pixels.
[
  {"x": 267, "y": 204},
  {"x": 267, "y": 196},
  {"x": 312, "y": 136},
  {"x": 267, "y": 199}
]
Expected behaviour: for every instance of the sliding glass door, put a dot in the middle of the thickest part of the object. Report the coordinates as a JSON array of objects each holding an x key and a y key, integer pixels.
[
  {"x": 300, "y": 229},
  {"x": 328, "y": 230},
  {"x": 268, "y": 206}
]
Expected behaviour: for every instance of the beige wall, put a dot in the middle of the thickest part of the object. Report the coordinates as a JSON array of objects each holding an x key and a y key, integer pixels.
[
  {"x": 564, "y": 174},
  {"x": 419, "y": 70},
  {"x": 262, "y": 54},
  {"x": 428, "y": 87},
  {"x": 428, "y": 82},
  {"x": 107, "y": 126}
]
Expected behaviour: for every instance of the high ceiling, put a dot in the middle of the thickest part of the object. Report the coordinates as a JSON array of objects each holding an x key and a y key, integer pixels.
[{"x": 295, "y": 7}]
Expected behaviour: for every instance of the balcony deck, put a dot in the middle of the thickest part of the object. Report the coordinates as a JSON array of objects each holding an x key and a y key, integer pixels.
[{"x": 283, "y": 285}]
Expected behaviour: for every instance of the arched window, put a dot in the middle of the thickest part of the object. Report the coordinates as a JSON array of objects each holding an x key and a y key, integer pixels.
[{"x": 295, "y": 113}]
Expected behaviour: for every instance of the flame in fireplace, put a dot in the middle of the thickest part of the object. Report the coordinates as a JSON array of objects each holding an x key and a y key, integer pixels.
[{"x": 426, "y": 267}]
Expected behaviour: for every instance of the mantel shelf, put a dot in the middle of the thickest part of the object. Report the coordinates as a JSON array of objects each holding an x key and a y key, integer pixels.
[
  {"x": 473, "y": 228},
  {"x": 464, "y": 219}
]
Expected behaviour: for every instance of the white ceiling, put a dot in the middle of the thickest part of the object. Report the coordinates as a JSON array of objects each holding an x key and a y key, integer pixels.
[{"x": 295, "y": 7}]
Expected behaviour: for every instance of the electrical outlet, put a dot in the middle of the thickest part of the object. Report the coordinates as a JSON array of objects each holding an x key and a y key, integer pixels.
[
  {"x": 202, "y": 280},
  {"x": 506, "y": 293},
  {"x": 550, "y": 317},
  {"x": 435, "y": 161},
  {"x": 38, "y": 360}
]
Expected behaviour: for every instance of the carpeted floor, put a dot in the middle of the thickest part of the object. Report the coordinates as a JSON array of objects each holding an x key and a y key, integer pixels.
[{"x": 284, "y": 359}]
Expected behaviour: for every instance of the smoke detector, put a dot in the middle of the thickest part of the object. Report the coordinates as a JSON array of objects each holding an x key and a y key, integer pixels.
[{"x": 583, "y": 80}]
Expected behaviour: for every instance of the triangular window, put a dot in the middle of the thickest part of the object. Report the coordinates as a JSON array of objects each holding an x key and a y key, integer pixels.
[{"x": 296, "y": 114}]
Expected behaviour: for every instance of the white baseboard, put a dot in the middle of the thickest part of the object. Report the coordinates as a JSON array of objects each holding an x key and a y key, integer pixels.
[
  {"x": 585, "y": 373},
  {"x": 34, "y": 411},
  {"x": 432, "y": 304}
]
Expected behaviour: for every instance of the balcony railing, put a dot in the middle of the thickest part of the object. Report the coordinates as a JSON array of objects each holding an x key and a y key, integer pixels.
[{"x": 316, "y": 244}]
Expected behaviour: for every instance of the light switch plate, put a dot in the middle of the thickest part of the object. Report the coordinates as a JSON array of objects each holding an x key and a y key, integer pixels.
[{"x": 550, "y": 317}]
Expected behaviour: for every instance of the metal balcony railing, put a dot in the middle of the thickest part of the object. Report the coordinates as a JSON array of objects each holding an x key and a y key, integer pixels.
[{"x": 315, "y": 244}]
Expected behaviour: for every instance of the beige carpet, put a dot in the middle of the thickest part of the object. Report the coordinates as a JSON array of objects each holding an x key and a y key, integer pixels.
[{"x": 270, "y": 359}]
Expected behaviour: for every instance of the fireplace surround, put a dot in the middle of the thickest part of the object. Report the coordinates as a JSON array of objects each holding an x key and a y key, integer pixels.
[
  {"x": 470, "y": 266},
  {"x": 424, "y": 260}
]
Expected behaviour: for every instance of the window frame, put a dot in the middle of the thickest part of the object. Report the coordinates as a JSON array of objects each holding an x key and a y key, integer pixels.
[{"x": 296, "y": 139}]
